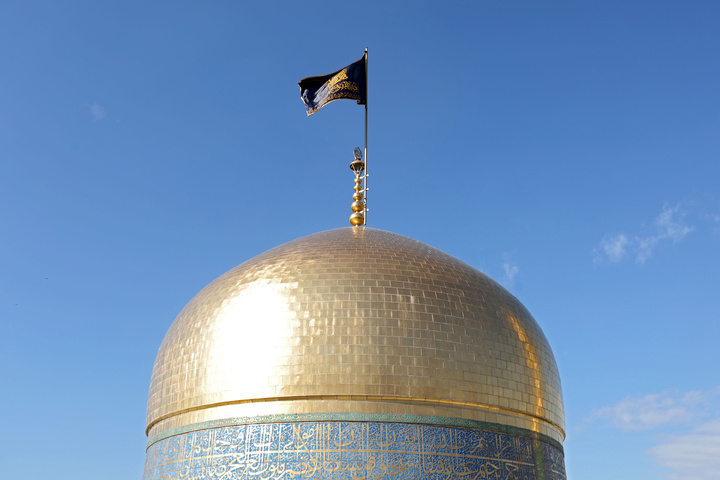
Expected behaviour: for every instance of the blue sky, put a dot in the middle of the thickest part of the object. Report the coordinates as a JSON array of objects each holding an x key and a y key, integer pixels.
[{"x": 567, "y": 149}]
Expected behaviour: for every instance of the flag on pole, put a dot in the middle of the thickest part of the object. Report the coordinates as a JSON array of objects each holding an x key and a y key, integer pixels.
[{"x": 349, "y": 83}]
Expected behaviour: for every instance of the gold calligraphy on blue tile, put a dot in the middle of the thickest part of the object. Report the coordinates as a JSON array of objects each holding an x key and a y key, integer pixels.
[{"x": 349, "y": 450}]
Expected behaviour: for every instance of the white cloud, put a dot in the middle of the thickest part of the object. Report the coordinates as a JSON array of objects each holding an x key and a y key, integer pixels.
[
  {"x": 510, "y": 270},
  {"x": 691, "y": 456},
  {"x": 669, "y": 226},
  {"x": 615, "y": 246},
  {"x": 97, "y": 112},
  {"x": 658, "y": 409}
]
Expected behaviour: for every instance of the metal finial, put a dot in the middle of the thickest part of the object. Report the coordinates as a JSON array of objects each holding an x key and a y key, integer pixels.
[{"x": 358, "y": 206}]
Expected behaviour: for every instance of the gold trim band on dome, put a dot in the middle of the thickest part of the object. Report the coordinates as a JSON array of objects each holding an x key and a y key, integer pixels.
[{"x": 378, "y": 398}]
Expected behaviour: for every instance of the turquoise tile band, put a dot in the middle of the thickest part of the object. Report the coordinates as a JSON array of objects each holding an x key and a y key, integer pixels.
[{"x": 352, "y": 450}]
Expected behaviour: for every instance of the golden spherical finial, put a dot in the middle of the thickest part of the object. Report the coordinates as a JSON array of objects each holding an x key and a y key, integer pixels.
[
  {"x": 358, "y": 206},
  {"x": 357, "y": 219}
]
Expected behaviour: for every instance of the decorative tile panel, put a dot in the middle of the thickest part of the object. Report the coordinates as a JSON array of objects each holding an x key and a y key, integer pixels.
[{"x": 349, "y": 450}]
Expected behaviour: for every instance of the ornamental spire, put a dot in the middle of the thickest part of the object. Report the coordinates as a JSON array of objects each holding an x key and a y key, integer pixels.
[{"x": 358, "y": 206}]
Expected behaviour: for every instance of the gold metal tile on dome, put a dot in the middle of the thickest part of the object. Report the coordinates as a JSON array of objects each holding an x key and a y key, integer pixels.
[{"x": 355, "y": 320}]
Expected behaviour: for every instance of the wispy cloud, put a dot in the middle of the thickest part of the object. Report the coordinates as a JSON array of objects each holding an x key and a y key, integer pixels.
[
  {"x": 692, "y": 456},
  {"x": 510, "y": 270},
  {"x": 615, "y": 246},
  {"x": 669, "y": 226},
  {"x": 657, "y": 409},
  {"x": 97, "y": 112}
]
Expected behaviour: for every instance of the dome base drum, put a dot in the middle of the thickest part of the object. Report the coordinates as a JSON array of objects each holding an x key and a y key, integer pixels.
[{"x": 352, "y": 450}]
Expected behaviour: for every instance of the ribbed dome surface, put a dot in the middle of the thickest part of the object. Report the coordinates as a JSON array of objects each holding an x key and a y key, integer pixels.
[{"x": 355, "y": 320}]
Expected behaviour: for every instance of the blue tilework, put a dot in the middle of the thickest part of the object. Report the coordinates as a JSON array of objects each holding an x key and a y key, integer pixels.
[
  {"x": 348, "y": 450},
  {"x": 554, "y": 463}
]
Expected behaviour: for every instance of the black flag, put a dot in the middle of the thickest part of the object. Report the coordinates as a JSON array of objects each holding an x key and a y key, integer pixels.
[{"x": 349, "y": 83}]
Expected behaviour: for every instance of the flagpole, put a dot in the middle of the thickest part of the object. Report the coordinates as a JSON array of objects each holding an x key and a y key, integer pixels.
[{"x": 366, "y": 123}]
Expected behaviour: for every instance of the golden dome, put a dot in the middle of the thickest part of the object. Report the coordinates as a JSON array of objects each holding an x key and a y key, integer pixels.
[{"x": 359, "y": 321}]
